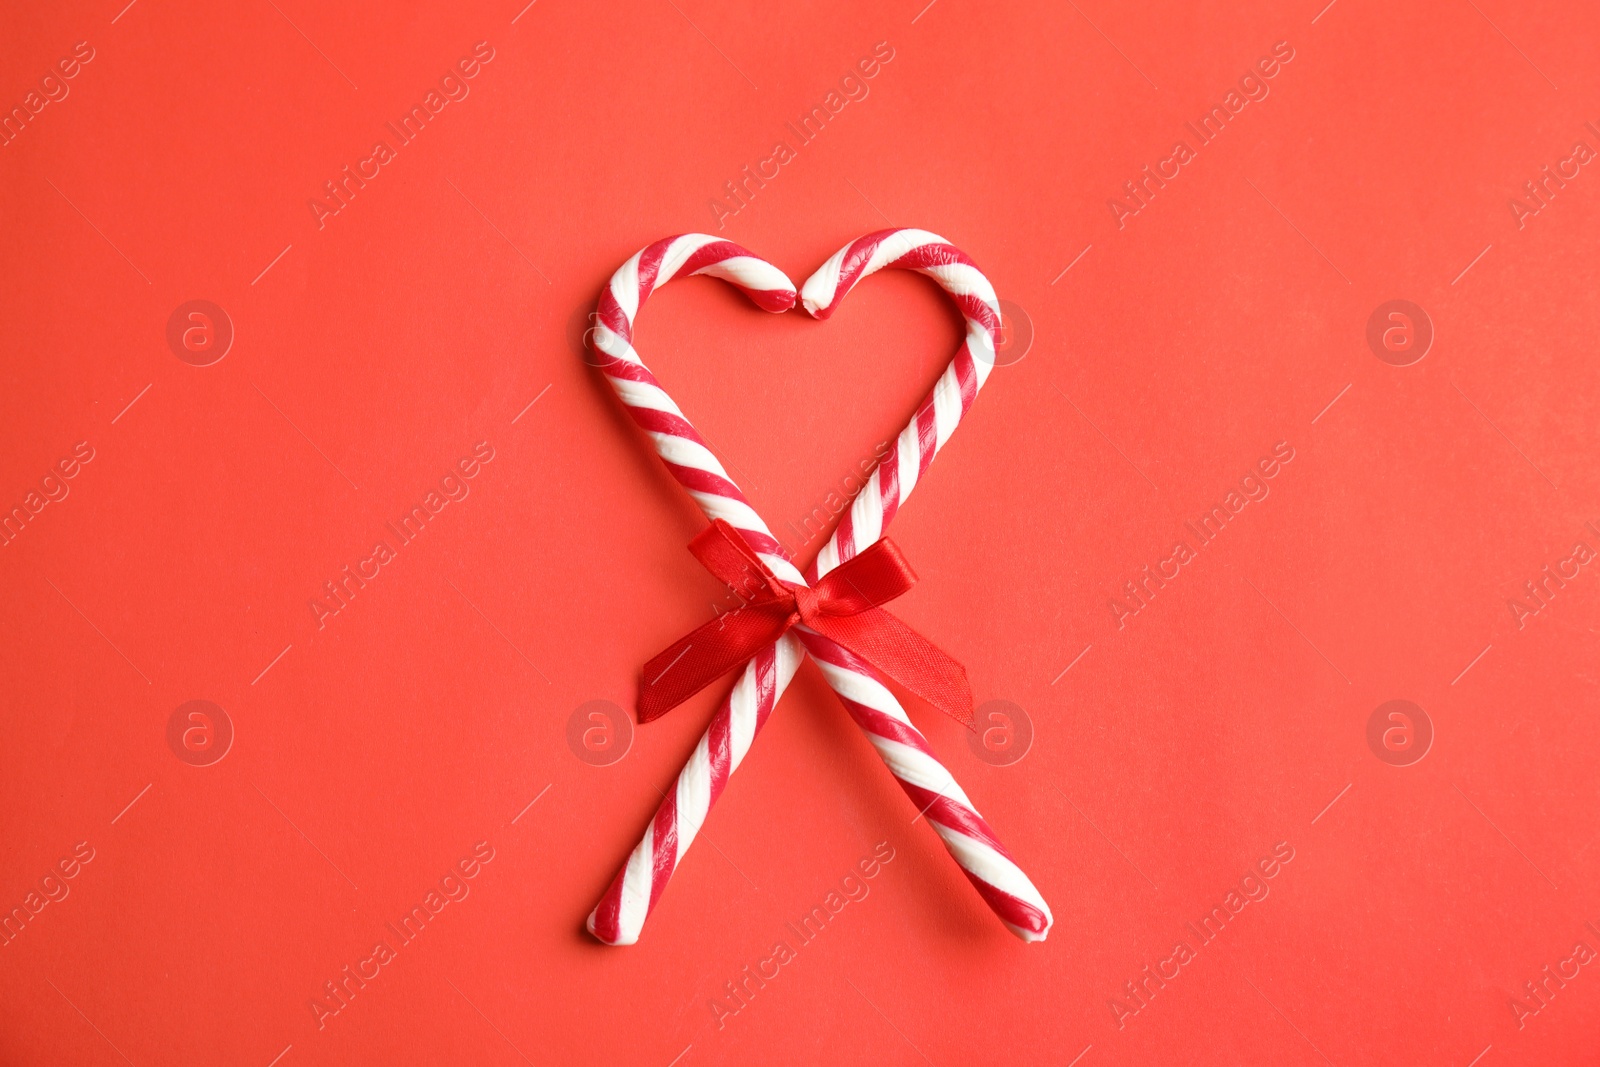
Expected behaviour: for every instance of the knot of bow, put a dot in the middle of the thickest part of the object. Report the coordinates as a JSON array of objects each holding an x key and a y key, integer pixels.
[{"x": 844, "y": 606}]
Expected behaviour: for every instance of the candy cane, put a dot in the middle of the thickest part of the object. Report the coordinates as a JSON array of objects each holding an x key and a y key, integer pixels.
[
  {"x": 981, "y": 856},
  {"x": 619, "y": 916}
]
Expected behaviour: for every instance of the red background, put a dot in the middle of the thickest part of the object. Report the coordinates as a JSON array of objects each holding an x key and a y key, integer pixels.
[{"x": 372, "y": 753}]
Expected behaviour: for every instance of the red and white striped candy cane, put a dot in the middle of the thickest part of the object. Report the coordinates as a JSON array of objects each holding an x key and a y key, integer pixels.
[
  {"x": 983, "y": 859},
  {"x": 620, "y": 914}
]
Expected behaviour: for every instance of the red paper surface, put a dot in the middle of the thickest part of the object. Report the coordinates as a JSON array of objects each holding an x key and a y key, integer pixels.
[{"x": 1237, "y": 722}]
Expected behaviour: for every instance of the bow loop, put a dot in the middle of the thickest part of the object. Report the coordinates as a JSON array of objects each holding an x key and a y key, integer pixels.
[
  {"x": 877, "y": 575},
  {"x": 729, "y": 557},
  {"x": 844, "y": 606}
]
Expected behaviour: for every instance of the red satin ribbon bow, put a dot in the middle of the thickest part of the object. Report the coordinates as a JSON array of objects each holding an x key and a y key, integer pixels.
[{"x": 842, "y": 606}]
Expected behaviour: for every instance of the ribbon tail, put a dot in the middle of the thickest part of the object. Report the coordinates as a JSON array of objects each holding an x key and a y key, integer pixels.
[
  {"x": 905, "y": 656},
  {"x": 693, "y": 662}
]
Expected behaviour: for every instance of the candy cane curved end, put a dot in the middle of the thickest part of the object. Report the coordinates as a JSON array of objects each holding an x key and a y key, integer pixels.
[
  {"x": 699, "y": 253},
  {"x": 916, "y": 249}
]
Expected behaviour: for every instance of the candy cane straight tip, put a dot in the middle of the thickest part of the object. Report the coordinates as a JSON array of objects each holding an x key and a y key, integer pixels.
[
  {"x": 931, "y": 788},
  {"x": 603, "y": 922},
  {"x": 620, "y": 915}
]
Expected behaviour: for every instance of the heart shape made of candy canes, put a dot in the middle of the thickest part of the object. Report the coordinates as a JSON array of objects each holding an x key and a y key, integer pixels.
[{"x": 619, "y": 916}]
